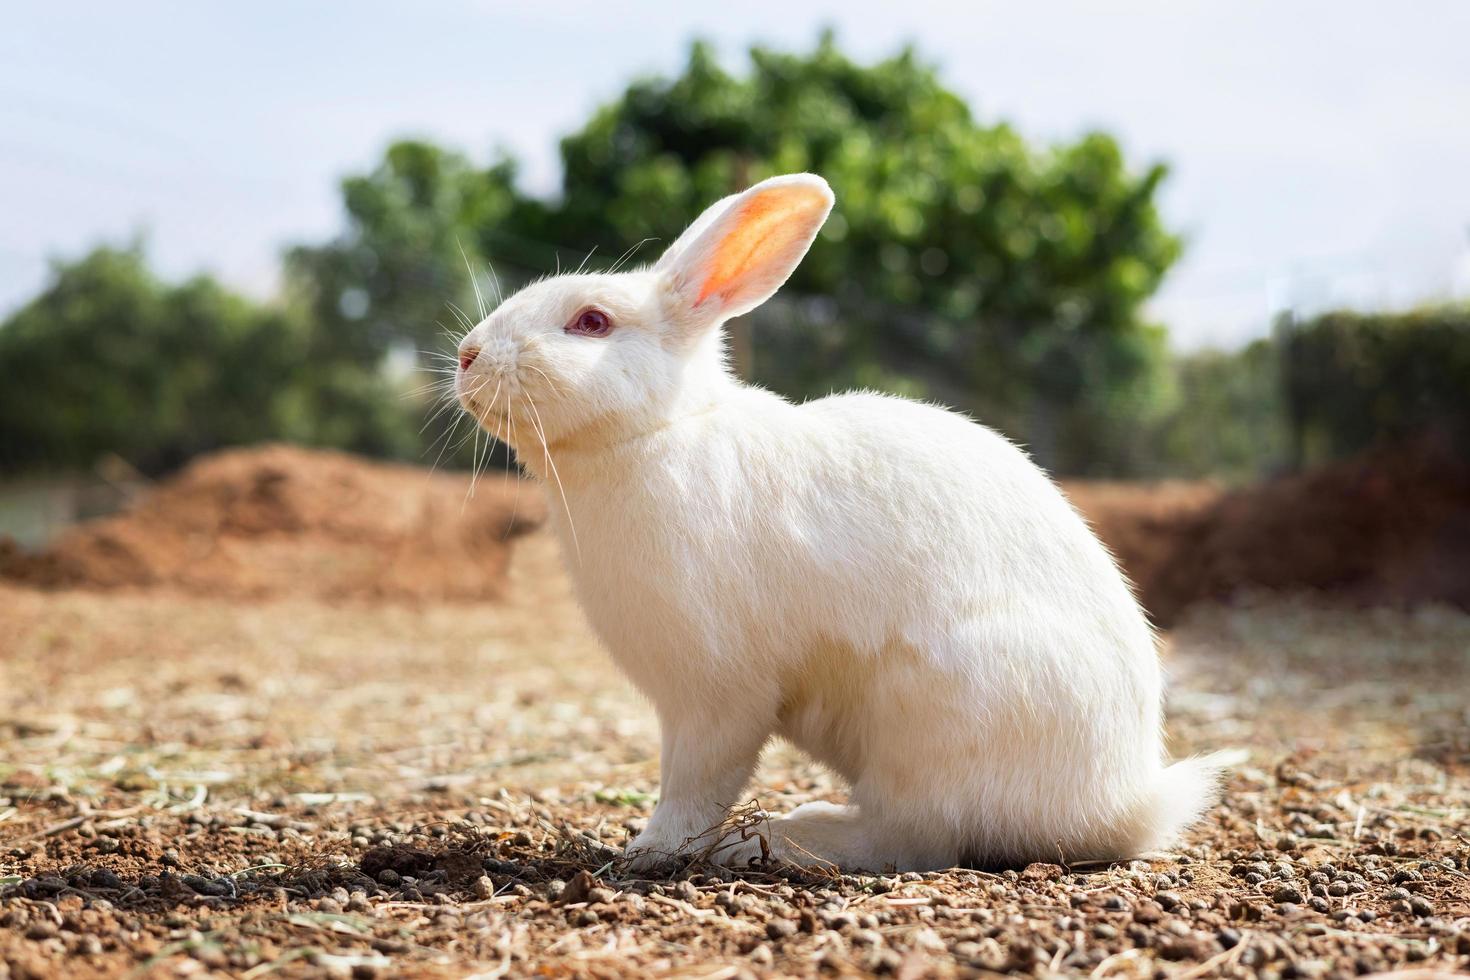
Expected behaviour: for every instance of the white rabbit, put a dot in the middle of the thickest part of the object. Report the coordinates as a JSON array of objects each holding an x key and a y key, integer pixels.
[{"x": 896, "y": 590}]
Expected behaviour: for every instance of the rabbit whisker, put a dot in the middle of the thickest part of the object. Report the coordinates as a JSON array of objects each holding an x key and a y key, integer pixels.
[
  {"x": 441, "y": 372},
  {"x": 469, "y": 493},
  {"x": 478, "y": 419},
  {"x": 441, "y": 355},
  {"x": 446, "y": 438},
  {"x": 450, "y": 398},
  {"x": 448, "y": 403},
  {"x": 540, "y": 429},
  {"x": 451, "y": 333},
  {"x": 442, "y": 385},
  {"x": 490, "y": 438},
  {"x": 494, "y": 281},
  {"x": 448, "y": 435},
  {"x": 549, "y": 383},
  {"x": 585, "y": 260},
  {"x": 475, "y": 428},
  {"x": 479, "y": 298},
  {"x": 628, "y": 254},
  {"x": 515, "y": 508},
  {"x": 462, "y": 316}
]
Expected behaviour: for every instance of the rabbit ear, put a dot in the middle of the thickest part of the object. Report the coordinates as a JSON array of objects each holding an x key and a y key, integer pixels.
[{"x": 743, "y": 248}]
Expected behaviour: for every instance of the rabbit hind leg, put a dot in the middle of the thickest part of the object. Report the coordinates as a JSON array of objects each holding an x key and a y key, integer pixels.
[{"x": 829, "y": 835}]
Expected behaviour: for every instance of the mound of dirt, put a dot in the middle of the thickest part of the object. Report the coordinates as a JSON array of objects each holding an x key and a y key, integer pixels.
[
  {"x": 284, "y": 521},
  {"x": 1391, "y": 526}
]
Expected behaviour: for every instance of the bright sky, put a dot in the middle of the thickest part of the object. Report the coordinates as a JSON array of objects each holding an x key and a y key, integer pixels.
[{"x": 1321, "y": 151}]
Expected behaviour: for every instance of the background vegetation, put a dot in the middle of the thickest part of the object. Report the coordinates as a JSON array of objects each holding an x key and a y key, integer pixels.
[{"x": 962, "y": 264}]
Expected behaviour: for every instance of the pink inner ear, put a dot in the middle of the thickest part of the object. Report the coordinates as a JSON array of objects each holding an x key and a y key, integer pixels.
[{"x": 767, "y": 225}]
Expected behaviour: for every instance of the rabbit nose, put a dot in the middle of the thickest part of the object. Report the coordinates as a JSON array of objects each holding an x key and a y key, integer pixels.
[{"x": 467, "y": 357}]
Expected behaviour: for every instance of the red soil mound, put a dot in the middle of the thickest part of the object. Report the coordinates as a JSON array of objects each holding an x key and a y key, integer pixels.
[
  {"x": 1390, "y": 526},
  {"x": 280, "y": 521}
]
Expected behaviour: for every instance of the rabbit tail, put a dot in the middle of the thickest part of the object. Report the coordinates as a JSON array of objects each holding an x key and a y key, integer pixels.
[{"x": 1179, "y": 796}]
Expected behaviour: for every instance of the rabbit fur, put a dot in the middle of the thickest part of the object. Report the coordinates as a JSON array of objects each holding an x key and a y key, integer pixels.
[{"x": 894, "y": 589}]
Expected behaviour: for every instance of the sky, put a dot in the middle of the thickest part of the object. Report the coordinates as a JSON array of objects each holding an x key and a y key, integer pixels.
[{"x": 1320, "y": 152}]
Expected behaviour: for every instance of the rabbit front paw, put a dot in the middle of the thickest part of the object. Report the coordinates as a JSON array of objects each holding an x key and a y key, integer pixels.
[
  {"x": 653, "y": 849},
  {"x": 723, "y": 844}
]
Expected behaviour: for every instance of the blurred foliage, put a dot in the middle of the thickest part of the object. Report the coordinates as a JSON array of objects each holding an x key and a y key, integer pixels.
[
  {"x": 1351, "y": 379},
  {"x": 400, "y": 277},
  {"x": 961, "y": 264},
  {"x": 107, "y": 359},
  {"x": 400, "y": 268},
  {"x": 1225, "y": 416}
]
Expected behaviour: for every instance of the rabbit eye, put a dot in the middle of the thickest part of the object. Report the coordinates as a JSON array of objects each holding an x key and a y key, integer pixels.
[{"x": 591, "y": 323}]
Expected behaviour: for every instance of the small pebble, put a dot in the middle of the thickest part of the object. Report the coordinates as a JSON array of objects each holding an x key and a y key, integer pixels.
[{"x": 1287, "y": 894}]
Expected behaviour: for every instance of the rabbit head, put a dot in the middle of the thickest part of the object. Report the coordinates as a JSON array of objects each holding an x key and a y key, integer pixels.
[{"x": 605, "y": 357}]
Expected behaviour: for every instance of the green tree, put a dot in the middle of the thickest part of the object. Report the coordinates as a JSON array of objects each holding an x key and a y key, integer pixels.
[
  {"x": 414, "y": 228},
  {"x": 959, "y": 261},
  {"x": 1227, "y": 418},
  {"x": 399, "y": 277},
  {"x": 961, "y": 264},
  {"x": 108, "y": 359},
  {"x": 1353, "y": 379}
]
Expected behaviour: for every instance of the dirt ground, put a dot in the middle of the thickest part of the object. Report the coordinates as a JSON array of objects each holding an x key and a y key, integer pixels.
[{"x": 303, "y": 785}]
